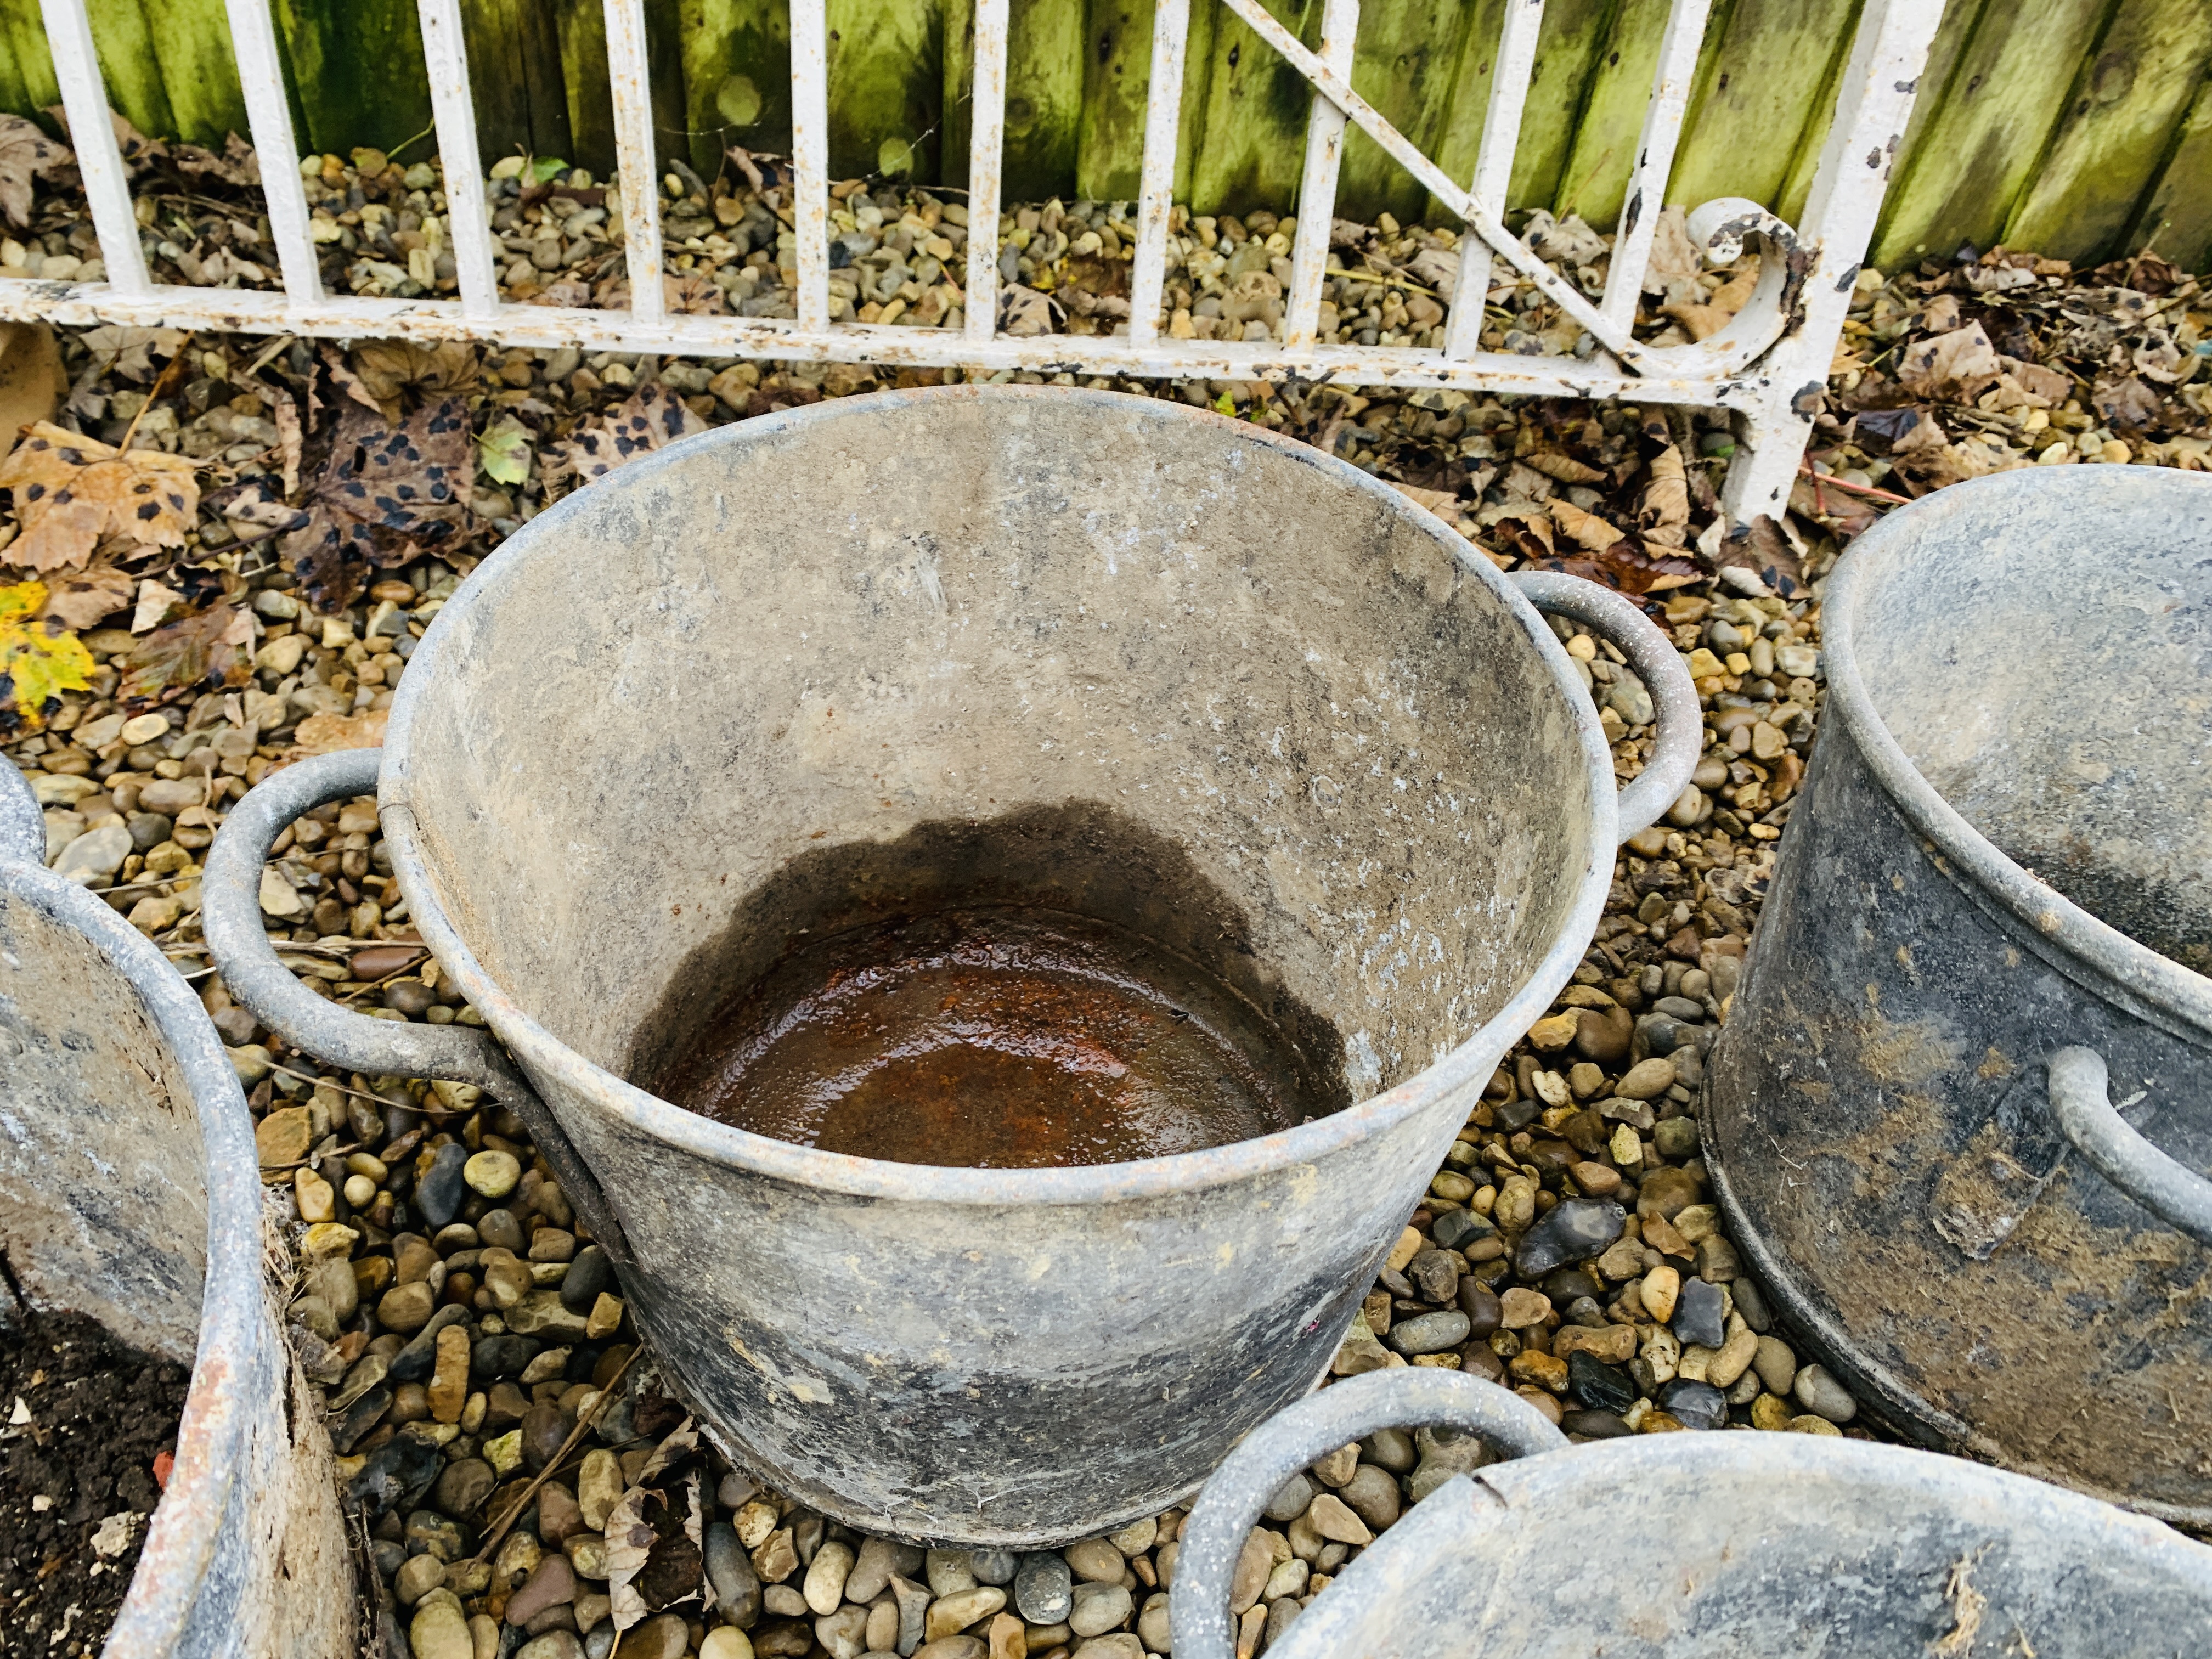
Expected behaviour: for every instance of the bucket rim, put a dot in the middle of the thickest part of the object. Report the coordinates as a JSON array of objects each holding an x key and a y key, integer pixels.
[
  {"x": 1469, "y": 1064},
  {"x": 227, "y": 1391},
  {"x": 2050, "y": 919}
]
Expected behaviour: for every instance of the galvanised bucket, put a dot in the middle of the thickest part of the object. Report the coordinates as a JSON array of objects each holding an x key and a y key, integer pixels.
[
  {"x": 1087, "y": 650},
  {"x": 130, "y": 1192},
  {"x": 1691, "y": 1547},
  {"x": 1996, "y": 895}
]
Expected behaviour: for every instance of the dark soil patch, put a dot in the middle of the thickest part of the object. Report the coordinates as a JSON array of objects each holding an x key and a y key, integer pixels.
[{"x": 79, "y": 1448}]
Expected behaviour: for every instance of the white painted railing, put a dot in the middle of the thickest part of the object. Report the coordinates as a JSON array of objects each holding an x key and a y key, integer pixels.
[{"x": 1767, "y": 366}]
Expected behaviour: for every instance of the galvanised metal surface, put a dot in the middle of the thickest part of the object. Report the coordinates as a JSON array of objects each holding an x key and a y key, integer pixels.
[
  {"x": 1906, "y": 1117},
  {"x": 1087, "y": 650},
  {"x": 1768, "y": 365},
  {"x": 1693, "y": 1547},
  {"x": 130, "y": 1191}
]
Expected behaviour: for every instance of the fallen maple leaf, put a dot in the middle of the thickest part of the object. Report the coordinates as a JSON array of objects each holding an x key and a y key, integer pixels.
[
  {"x": 382, "y": 371},
  {"x": 80, "y": 597},
  {"x": 24, "y": 152},
  {"x": 1586, "y": 529},
  {"x": 39, "y": 660},
  {"x": 387, "y": 493},
  {"x": 1953, "y": 367},
  {"x": 653, "y": 416},
  {"x": 204, "y": 650},
  {"x": 71, "y": 490}
]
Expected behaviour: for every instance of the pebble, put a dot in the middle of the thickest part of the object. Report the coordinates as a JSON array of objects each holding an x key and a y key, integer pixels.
[
  {"x": 1043, "y": 1587},
  {"x": 1290, "y": 1499},
  {"x": 1575, "y": 1231},
  {"x": 1599, "y": 1385},
  {"x": 439, "y": 1193},
  {"x": 491, "y": 1173},
  {"x": 1100, "y": 1607},
  {"x": 565, "y": 1644},
  {"x": 440, "y": 1630},
  {"x": 1819, "y": 1393},
  {"x": 1700, "y": 1317},
  {"x": 826, "y": 1575},
  {"x": 1373, "y": 1496},
  {"x": 553, "y": 1584},
  {"x": 1431, "y": 1333},
  {"x": 725, "y": 1641},
  {"x": 1521, "y": 1307},
  {"x": 956, "y": 1613},
  {"x": 1694, "y": 1405},
  {"x": 737, "y": 1587},
  {"x": 1776, "y": 1362},
  {"x": 1646, "y": 1080},
  {"x": 1096, "y": 1561}
]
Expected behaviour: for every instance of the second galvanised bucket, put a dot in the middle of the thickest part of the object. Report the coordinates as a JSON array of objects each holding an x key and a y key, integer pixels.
[
  {"x": 1097, "y": 653},
  {"x": 130, "y": 1193},
  {"x": 1996, "y": 895},
  {"x": 1690, "y": 1547}
]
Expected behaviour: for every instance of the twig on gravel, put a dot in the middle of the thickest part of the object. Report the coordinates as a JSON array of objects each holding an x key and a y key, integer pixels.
[
  {"x": 583, "y": 1427},
  {"x": 1805, "y": 470}
]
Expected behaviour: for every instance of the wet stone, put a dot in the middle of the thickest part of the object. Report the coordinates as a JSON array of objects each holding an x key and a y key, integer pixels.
[
  {"x": 1598, "y": 1385},
  {"x": 737, "y": 1587},
  {"x": 1694, "y": 1405},
  {"x": 440, "y": 1193},
  {"x": 590, "y": 1275},
  {"x": 1455, "y": 1229},
  {"x": 1576, "y": 1230},
  {"x": 1700, "y": 1314},
  {"x": 1481, "y": 1306},
  {"x": 1042, "y": 1586}
]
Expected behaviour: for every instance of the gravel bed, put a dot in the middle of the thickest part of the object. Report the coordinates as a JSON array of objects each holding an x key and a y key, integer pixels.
[{"x": 519, "y": 1482}]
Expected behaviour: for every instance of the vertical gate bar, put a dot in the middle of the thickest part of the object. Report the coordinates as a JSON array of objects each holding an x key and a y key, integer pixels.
[
  {"x": 1325, "y": 123},
  {"x": 468, "y": 222},
  {"x": 634, "y": 157},
  {"x": 1654, "y": 158},
  {"x": 1156, "y": 185},
  {"x": 1873, "y": 102},
  {"x": 268, "y": 117},
  {"x": 1493, "y": 169},
  {"x": 810, "y": 156},
  {"x": 985, "y": 159},
  {"x": 99, "y": 158}
]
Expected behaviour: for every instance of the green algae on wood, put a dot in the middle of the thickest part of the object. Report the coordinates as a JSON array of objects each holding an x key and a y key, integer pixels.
[
  {"x": 736, "y": 77},
  {"x": 1404, "y": 64},
  {"x": 1568, "y": 45},
  {"x": 1756, "y": 95},
  {"x": 2130, "y": 96},
  {"x": 1594, "y": 183},
  {"x": 359, "y": 69},
  {"x": 1969, "y": 163},
  {"x": 886, "y": 88},
  {"x": 515, "y": 79},
  {"x": 1044, "y": 96},
  {"x": 2176, "y": 217},
  {"x": 1254, "y": 144}
]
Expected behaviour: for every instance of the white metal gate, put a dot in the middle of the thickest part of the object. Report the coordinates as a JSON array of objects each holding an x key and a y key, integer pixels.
[{"x": 1768, "y": 366}]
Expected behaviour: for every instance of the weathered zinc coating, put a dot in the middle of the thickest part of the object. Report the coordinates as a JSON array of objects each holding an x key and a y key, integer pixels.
[
  {"x": 1070, "y": 647},
  {"x": 129, "y": 1191},
  {"x": 1693, "y": 1547},
  {"x": 2011, "y": 769}
]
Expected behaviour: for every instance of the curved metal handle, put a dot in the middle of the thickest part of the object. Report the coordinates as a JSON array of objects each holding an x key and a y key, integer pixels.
[
  {"x": 1198, "y": 1614},
  {"x": 230, "y": 915},
  {"x": 1718, "y": 230},
  {"x": 2171, "y": 1191},
  {"x": 22, "y": 825},
  {"x": 1681, "y": 725}
]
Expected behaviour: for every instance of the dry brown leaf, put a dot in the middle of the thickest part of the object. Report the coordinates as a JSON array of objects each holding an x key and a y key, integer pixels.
[
  {"x": 71, "y": 490},
  {"x": 653, "y": 416},
  {"x": 235, "y": 166},
  {"x": 387, "y": 493},
  {"x": 80, "y": 597},
  {"x": 25, "y": 152},
  {"x": 1664, "y": 513},
  {"x": 382, "y": 371},
  {"x": 1024, "y": 311},
  {"x": 1565, "y": 468},
  {"x": 156, "y": 604},
  {"x": 210, "y": 650},
  {"x": 1953, "y": 367},
  {"x": 1675, "y": 262},
  {"x": 1584, "y": 529}
]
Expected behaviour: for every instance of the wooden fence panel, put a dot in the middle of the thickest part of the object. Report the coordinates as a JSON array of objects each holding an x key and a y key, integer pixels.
[
  {"x": 2129, "y": 100},
  {"x": 2080, "y": 127}
]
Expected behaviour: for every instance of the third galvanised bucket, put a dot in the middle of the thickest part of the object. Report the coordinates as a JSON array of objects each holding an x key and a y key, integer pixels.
[{"x": 883, "y": 658}]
